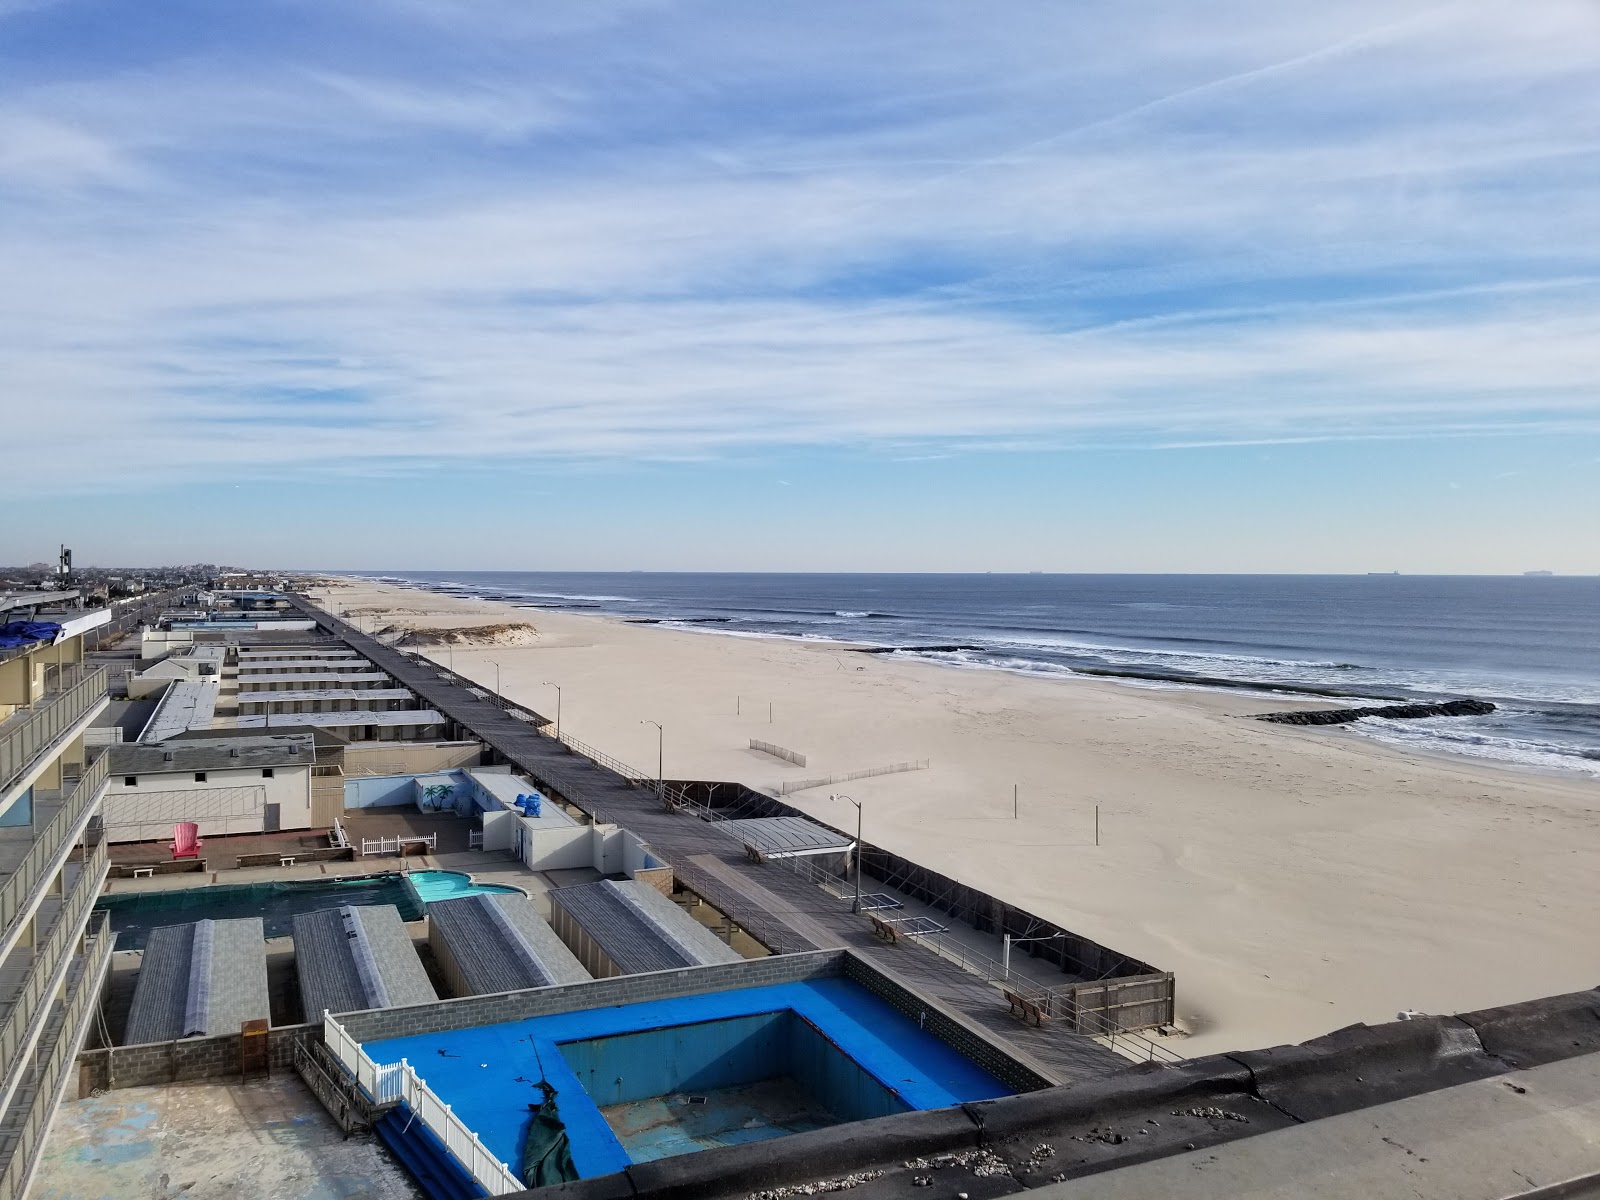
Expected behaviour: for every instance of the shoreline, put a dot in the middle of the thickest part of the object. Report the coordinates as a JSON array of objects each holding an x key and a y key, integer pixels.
[{"x": 1294, "y": 881}]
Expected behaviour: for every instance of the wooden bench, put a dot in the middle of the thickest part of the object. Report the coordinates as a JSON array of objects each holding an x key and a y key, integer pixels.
[
  {"x": 1027, "y": 1009},
  {"x": 883, "y": 929}
]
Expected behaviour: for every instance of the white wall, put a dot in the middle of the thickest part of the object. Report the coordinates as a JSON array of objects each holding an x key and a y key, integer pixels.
[{"x": 162, "y": 792}]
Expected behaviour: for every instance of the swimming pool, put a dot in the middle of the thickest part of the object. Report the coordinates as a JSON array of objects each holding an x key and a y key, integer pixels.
[
  {"x": 135, "y": 914},
  {"x": 450, "y": 885}
]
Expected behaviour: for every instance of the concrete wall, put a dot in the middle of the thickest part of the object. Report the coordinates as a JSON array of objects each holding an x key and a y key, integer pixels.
[
  {"x": 379, "y": 791},
  {"x": 500, "y": 829},
  {"x": 415, "y": 758}
]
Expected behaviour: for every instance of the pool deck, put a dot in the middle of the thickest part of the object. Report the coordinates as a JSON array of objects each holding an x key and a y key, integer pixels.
[{"x": 262, "y": 1140}]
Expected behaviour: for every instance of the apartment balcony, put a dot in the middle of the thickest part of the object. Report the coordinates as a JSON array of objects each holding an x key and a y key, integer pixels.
[
  {"x": 45, "y": 1070},
  {"x": 33, "y": 735},
  {"x": 32, "y": 975},
  {"x": 31, "y": 857}
]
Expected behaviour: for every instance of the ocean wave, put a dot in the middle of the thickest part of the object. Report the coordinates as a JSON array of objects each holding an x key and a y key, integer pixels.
[{"x": 1453, "y": 736}]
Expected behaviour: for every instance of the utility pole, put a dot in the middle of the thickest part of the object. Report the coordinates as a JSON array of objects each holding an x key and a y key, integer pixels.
[
  {"x": 1013, "y": 802},
  {"x": 855, "y": 907},
  {"x": 661, "y": 737}
]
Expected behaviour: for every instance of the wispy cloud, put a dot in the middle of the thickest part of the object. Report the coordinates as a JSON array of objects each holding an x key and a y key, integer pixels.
[{"x": 430, "y": 230}]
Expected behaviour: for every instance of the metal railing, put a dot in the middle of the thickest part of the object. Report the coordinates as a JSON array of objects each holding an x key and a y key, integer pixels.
[
  {"x": 398, "y": 1083},
  {"x": 1051, "y": 1001},
  {"x": 84, "y": 992},
  {"x": 51, "y": 845},
  {"x": 599, "y": 757},
  {"x": 27, "y": 735},
  {"x": 26, "y": 1010}
]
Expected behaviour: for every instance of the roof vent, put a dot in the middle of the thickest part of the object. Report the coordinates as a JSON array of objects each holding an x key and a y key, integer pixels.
[
  {"x": 233, "y": 752},
  {"x": 294, "y": 748},
  {"x": 167, "y": 756}
]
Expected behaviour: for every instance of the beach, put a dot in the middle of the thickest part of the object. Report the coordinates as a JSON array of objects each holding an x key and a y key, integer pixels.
[{"x": 1295, "y": 880}]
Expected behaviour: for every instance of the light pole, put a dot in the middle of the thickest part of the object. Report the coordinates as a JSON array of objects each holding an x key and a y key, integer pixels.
[
  {"x": 497, "y": 698},
  {"x": 855, "y": 907},
  {"x": 1005, "y": 948},
  {"x": 557, "y": 687},
  {"x": 661, "y": 738}
]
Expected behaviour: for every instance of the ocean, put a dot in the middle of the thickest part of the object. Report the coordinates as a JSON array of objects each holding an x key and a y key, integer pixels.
[{"x": 1529, "y": 644}]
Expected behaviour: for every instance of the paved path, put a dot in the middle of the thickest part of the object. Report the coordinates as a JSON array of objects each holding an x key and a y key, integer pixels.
[{"x": 775, "y": 906}]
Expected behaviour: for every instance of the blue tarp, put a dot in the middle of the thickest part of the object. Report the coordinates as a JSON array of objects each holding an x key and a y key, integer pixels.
[{"x": 23, "y": 633}]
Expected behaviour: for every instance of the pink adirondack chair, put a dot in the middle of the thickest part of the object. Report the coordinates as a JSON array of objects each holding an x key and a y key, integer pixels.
[{"x": 186, "y": 840}]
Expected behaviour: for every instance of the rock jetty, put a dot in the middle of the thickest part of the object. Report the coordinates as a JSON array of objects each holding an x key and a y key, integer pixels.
[{"x": 1396, "y": 712}]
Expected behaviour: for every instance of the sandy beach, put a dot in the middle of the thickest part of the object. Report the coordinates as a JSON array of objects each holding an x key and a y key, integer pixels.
[{"x": 1296, "y": 880}]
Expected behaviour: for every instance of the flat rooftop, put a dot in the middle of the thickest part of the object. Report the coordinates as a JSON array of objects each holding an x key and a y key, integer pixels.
[
  {"x": 337, "y": 666},
  {"x": 307, "y": 694},
  {"x": 182, "y": 755},
  {"x": 780, "y": 836},
  {"x": 186, "y": 704},
  {"x": 267, "y": 683},
  {"x": 338, "y": 720}
]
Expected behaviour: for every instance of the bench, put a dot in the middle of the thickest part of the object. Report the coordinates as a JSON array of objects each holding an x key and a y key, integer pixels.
[
  {"x": 144, "y": 872},
  {"x": 1027, "y": 1009},
  {"x": 883, "y": 929}
]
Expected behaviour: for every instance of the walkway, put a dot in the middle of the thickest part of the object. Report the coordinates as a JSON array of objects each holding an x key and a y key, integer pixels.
[{"x": 803, "y": 917}]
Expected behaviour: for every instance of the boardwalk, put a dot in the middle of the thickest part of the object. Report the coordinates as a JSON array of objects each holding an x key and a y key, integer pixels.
[{"x": 777, "y": 907}]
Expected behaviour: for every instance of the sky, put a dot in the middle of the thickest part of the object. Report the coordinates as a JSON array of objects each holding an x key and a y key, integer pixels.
[{"x": 1138, "y": 285}]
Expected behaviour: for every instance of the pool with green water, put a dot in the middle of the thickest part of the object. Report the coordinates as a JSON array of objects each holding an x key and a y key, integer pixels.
[{"x": 135, "y": 914}]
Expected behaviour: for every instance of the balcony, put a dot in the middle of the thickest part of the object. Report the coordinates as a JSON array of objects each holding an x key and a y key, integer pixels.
[
  {"x": 31, "y": 975},
  {"x": 30, "y": 858},
  {"x": 28, "y": 735},
  {"x": 23, "y": 1126}
]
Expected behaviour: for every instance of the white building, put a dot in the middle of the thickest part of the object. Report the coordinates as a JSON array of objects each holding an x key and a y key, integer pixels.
[{"x": 251, "y": 784}]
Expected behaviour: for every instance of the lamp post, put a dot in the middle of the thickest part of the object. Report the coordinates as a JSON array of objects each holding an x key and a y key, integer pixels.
[
  {"x": 855, "y": 907},
  {"x": 661, "y": 737},
  {"x": 1005, "y": 948},
  {"x": 497, "y": 698},
  {"x": 557, "y": 687}
]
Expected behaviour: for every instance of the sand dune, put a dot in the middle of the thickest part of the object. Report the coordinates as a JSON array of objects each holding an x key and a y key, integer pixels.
[{"x": 1296, "y": 880}]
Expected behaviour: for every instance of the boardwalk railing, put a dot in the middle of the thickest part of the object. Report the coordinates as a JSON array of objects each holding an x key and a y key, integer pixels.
[
  {"x": 398, "y": 1083},
  {"x": 599, "y": 757}
]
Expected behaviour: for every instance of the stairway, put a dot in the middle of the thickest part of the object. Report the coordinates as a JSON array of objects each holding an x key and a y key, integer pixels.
[{"x": 433, "y": 1167}]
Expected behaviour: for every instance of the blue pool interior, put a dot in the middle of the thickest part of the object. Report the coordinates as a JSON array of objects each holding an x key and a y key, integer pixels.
[
  {"x": 642, "y": 1081},
  {"x": 450, "y": 885},
  {"x": 277, "y": 903}
]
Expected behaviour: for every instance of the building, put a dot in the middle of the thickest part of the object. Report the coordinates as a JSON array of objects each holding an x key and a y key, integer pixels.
[
  {"x": 249, "y": 784},
  {"x": 52, "y": 863},
  {"x": 199, "y": 980},
  {"x": 497, "y": 943},
  {"x": 627, "y": 927},
  {"x": 357, "y": 957}
]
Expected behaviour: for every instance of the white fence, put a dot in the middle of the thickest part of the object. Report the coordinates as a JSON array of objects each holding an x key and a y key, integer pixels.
[
  {"x": 397, "y": 1082},
  {"x": 386, "y": 845}
]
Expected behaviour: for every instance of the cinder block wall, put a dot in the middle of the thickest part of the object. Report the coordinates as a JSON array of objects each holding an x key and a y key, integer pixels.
[{"x": 188, "y": 1059}]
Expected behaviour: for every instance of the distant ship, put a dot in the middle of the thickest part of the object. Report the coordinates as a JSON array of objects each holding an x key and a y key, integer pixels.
[
  {"x": 1383, "y": 572},
  {"x": 1538, "y": 572}
]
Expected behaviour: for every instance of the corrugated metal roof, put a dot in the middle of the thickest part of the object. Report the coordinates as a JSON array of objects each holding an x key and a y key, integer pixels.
[
  {"x": 236, "y": 983},
  {"x": 785, "y": 835},
  {"x": 490, "y": 961},
  {"x": 325, "y": 961},
  {"x": 638, "y": 928}
]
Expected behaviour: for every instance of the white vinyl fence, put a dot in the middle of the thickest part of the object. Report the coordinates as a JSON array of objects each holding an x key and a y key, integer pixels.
[{"x": 393, "y": 1082}]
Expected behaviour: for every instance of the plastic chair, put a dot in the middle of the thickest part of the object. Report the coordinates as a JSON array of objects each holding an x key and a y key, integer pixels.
[{"x": 186, "y": 840}]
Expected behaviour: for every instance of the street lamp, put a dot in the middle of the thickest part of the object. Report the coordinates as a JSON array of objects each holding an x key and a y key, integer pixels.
[
  {"x": 661, "y": 737},
  {"x": 1005, "y": 948},
  {"x": 497, "y": 698},
  {"x": 856, "y": 907},
  {"x": 557, "y": 687}
]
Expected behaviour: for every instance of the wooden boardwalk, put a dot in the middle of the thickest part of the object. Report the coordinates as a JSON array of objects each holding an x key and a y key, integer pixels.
[{"x": 776, "y": 906}]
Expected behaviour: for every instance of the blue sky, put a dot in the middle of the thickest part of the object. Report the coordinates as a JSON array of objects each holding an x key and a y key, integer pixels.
[{"x": 1100, "y": 286}]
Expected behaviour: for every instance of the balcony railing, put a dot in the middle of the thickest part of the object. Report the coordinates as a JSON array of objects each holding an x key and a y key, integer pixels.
[
  {"x": 26, "y": 736},
  {"x": 49, "y": 848},
  {"x": 20, "y": 1143},
  {"x": 17, "y": 1027}
]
